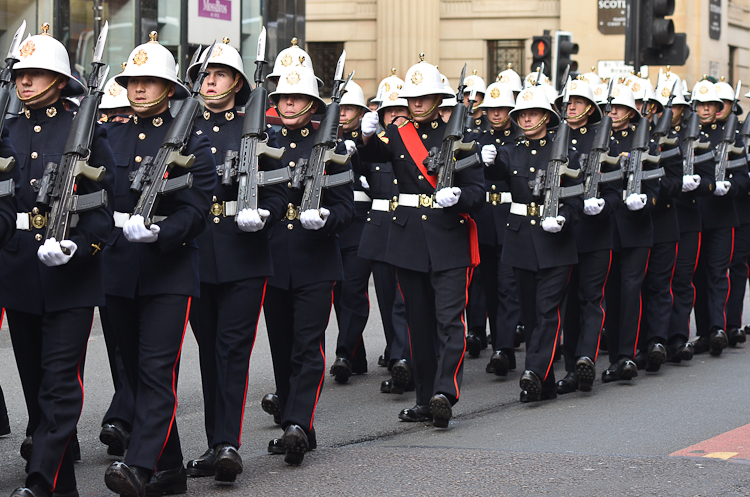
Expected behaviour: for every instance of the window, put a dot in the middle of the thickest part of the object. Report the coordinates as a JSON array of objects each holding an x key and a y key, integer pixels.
[
  {"x": 324, "y": 58},
  {"x": 732, "y": 72},
  {"x": 500, "y": 53}
]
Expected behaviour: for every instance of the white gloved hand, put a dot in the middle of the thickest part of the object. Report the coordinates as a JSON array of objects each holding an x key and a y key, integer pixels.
[
  {"x": 489, "y": 152},
  {"x": 252, "y": 220},
  {"x": 690, "y": 182},
  {"x": 135, "y": 230},
  {"x": 636, "y": 201},
  {"x": 722, "y": 187},
  {"x": 351, "y": 147},
  {"x": 553, "y": 224},
  {"x": 370, "y": 123},
  {"x": 51, "y": 253},
  {"x": 448, "y": 197},
  {"x": 593, "y": 206},
  {"x": 364, "y": 183},
  {"x": 313, "y": 219}
]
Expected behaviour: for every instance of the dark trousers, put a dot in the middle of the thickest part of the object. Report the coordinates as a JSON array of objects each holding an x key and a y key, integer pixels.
[
  {"x": 501, "y": 294},
  {"x": 541, "y": 294},
  {"x": 711, "y": 280},
  {"x": 584, "y": 311},
  {"x": 150, "y": 330},
  {"x": 50, "y": 349},
  {"x": 476, "y": 306},
  {"x": 622, "y": 296},
  {"x": 224, "y": 320},
  {"x": 296, "y": 320},
  {"x": 352, "y": 304},
  {"x": 392, "y": 311},
  {"x": 435, "y": 303},
  {"x": 738, "y": 273},
  {"x": 122, "y": 404},
  {"x": 657, "y": 294},
  {"x": 683, "y": 291}
]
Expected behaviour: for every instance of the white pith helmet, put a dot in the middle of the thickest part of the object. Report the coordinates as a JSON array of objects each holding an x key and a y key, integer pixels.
[
  {"x": 225, "y": 54},
  {"x": 705, "y": 91},
  {"x": 511, "y": 78},
  {"x": 293, "y": 56},
  {"x": 424, "y": 79},
  {"x": 472, "y": 82},
  {"x": 387, "y": 86},
  {"x": 579, "y": 88},
  {"x": 298, "y": 81},
  {"x": 643, "y": 90},
  {"x": 354, "y": 96},
  {"x": 622, "y": 95},
  {"x": 530, "y": 79},
  {"x": 726, "y": 93},
  {"x": 534, "y": 97},
  {"x": 42, "y": 51},
  {"x": 115, "y": 96},
  {"x": 591, "y": 78},
  {"x": 498, "y": 95},
  {"x": 668, "y": 80},
  {"x": 152, "y": 59},
  {"x": 600, "y": 93}
]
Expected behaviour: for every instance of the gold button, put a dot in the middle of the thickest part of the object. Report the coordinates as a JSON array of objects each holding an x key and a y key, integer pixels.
[
  {"x": 368, "y": 218},
  {"x": 668, "y": 206},
  {"x": 395, "y": 198},
  {"x": 533, "y": 222},
  {"x": 394, "y": 218},
  {"x": 138, "y": 158},
  {"x": 38, "y": 237},
  {"x": 424, "y": 136},
  {"x": 461, "y": 221},
  {"x": 35, "y": 210},
  {"x": 34, "y": 155},
  {"x": 402, "y": 157},
  {"x": 532, "y": 204},
  {"x": 289, "y": 226},
  {"x": 214, "y": 200},
  {"x": 497, "y": 140},
  {"x": 216, "y": 129},
  {"x": 533, "y": 152},
  {"x": 420, "y": 177},
  {"x": 37, "y": 128},
  {"x": 216, "y": 220},
  {"x": 424, "y": 218},
  {"x": 377, "y": 168},
  {"x": 531, "y": 169},
  {"x": 213, "y": 150},
  {"x": 291, "y": 163},
  {"x": 515, "y": 172},
  {"x": 573, "y": 141},
  {"x": 494, "y": 187},
  {"x": 292, "y": 145},
  {"x": 494, "y": 202},
  {"x": 142, "y": 136},
  {"x": 395, "y": 181}
]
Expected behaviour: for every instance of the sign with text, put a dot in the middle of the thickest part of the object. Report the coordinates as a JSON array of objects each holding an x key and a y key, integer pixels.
[
  {"x": 608, "y": 69},
  {"x": 714, "y": 19},
  {"x": 210, "y": 20},
  {"x": 611, "y": 16}
]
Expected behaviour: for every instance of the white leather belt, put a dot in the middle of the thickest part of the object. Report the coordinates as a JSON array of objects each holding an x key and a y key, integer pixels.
[
  {"x": 380, "y": 204},
  {"x": 499, "y": 197},
  {"x": 361, "y": 197},
  {"x": 122, "y": 217},
  {"x": 25, "y": 221},
  {"x": 526, "y": 210},
  {"x": 417, "y": 200}
]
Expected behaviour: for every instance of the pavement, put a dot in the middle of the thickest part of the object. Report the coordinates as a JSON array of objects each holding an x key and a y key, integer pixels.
[{"x": 682, "y": 431}]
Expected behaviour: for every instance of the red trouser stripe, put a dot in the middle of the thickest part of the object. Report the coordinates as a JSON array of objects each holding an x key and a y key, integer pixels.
[
  {"x": 557, "y": 332},
  {"x": 729, "y": 282},
  {"x": 247, "y": 377},
  {"x": 469, "y": 273},
  {"x": 640, "y": 309},
  {"x": 323, "y": 353}
]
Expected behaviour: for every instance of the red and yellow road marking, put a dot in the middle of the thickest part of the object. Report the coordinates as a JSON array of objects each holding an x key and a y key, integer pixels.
[{"x": 733, "y": 444}]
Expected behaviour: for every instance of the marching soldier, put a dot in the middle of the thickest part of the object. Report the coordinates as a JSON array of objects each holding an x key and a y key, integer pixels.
[
  {"x": 512, "y": 79},
  {"x": 479, "y": 122},
  {"x": 351, "y": 299},
  {"x": 235, "y": 261},
  {"x": 430, "y": 243},
  {"x": 720, "y": 219},
  {"x": 540, "y": 249},
  {"x": 115, "y": 106},
  {"x": 498, "y": 280},
  {"x": 584, "y": 310},
  {"x": 307, "y": 263},
  {"x": 49, "y": 289},
  {"x": 152, "y": 273}
]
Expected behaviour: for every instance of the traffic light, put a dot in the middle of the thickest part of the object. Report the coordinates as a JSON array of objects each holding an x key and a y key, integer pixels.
[
  {"x": 650, "y": 38},
  {"x": 541, "y": 52},
  {"x": 564, "y": 50}
]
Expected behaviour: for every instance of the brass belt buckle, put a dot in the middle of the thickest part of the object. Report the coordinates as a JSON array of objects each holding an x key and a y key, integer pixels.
[
  {"x": 425, "y": 200},
  {"x": 292, "y": 212},
  {"x": 393, "y": 204},
  {"x": 495, "y": 197},
  {"x": 36, "y": 219},
  {"x": 217, "y": 209},
  {"x": 533, "y": 210}
]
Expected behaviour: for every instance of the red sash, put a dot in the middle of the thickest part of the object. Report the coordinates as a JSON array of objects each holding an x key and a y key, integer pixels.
[{"x": 418, "y": 154}]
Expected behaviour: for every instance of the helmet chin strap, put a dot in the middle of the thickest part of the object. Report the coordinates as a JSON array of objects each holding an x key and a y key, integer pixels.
[
  {"x": 429, "y": 111},
  {"x": 39, "y": 95},
  {"x": 145, "y": 105},
  {"x": 219, "y": 96},
  {"x": 297, "y": 114},
  {"x": 581, "y": 115},
  {"x": 500, "y": 122},
  {"x": 537, "y": 125},
  {"x": 623, "y": 118}
]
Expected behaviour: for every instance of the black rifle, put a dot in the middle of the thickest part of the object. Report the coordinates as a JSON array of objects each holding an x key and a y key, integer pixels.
[
  {"x": 152, "y": 178},
  {"x": 600, "y": 154},
  {"x": 726, "y": 145},
  {"x": 469, "y": 107},
  {"x": 692, "y": 142},
  {"x": 57, "y": 188},
  {"x": 254, "y": 144},
  {"x": 664, "y": 123},
  {"x": 745, "y": 134},
  {"x": 6, "y": 87},
  {"x": 638, "y": 155},
  {"x": 443, "y": 161},
  {"x": 549, "y": 180},
  {"x": 311, "y": 172}
]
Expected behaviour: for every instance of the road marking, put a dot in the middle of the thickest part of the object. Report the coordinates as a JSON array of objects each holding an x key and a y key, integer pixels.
[{"x": 734, "y": 444}]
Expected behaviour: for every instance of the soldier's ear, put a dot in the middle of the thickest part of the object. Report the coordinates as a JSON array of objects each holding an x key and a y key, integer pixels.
[
  {"x": 62, "y": 83},
  {"x": 171, "y": 90},
  {"x": 240, "y": 84},
  {"x": 314, "y": 107}
]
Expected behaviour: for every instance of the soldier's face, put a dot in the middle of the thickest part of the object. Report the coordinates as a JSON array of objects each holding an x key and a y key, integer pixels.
[
  {"x": 577, "y": 107},
  {"x": 420, "y": 105},
  {"x": 498, "y": 115},
  {"x": 707, "y": 111},
  {"x": 219, "y": 80},
  {"x": 619, "y": 115},
  {"x": 478, "y": 99},
  {"x": 391, "y": 113},
  {"x": 528, "y": 119},
  {"x": 350, "y": 113},
  {"x": 145, "y": 89},
  {"x": 445, "y": 113},
  {"x": 677, "y": 111},
  {"x": 31, "y": 82},
  {"x": 724, "y": 112},
  {"x": 291, "y": 105}
]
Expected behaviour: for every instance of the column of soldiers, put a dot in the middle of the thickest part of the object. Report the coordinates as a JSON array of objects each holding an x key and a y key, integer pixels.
[{"x": 603, "y": 215}]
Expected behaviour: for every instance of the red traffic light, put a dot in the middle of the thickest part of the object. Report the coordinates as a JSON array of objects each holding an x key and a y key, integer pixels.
[{"x": 540, "y": 48}]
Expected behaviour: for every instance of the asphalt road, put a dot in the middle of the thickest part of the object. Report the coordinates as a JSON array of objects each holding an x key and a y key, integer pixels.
[{"x": 614, "y": 440}]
